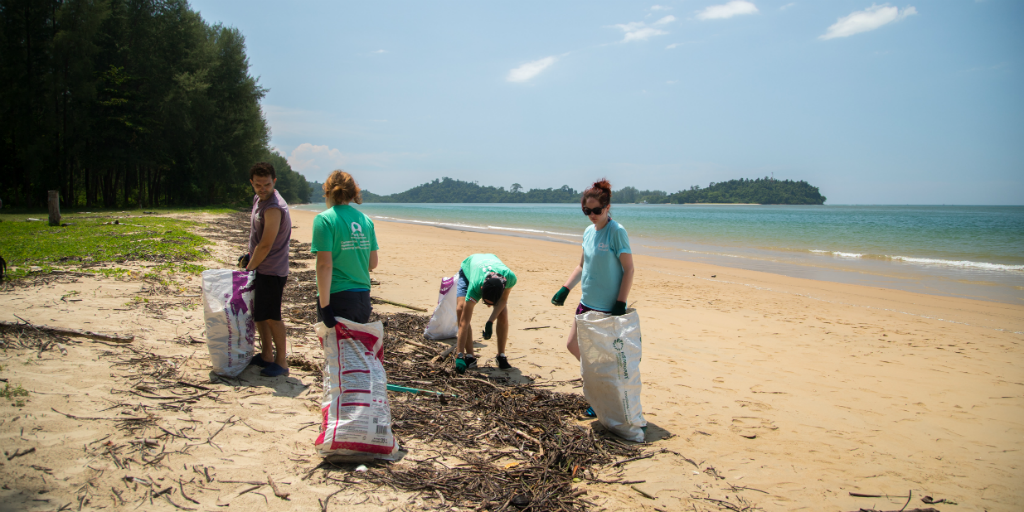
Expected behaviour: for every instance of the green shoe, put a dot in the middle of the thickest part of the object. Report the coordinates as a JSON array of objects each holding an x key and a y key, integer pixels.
[{"x": 460, "y": 366}]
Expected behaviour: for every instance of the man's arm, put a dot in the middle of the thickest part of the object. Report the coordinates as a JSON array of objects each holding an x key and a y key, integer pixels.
[
  {"x": 373, "y": 260},
  {"x": 271, "y": 225}
]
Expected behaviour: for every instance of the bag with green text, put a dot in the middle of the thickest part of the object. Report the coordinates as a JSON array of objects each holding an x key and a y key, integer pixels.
[{"x": 610, "y": 354}]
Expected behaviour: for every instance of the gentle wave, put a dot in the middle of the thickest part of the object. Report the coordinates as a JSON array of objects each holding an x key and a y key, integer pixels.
[
  {"x": 960, "y": 264},
  {"x": 524, "y": 230},
  {"x": 838, "y": 253},
  {"x": 470, "y": 226},
  {"x": 965, "y": 264}
]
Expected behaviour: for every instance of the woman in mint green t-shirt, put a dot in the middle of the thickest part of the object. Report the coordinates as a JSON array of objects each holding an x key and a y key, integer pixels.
[
  {"x": 606, "y": 267},
  {"x": 345, "y": 245}
]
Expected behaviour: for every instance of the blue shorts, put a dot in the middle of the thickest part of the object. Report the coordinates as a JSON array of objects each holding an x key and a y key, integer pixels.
[{"x": 462, "y": 287}]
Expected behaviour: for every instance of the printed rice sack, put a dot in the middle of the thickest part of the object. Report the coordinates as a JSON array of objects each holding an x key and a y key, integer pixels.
[
  {"x": 610, "y": 354},
  {"x": 444, "y": 322},
  {"x": 355, "y": 407},
  {"x": 227, "y": 310}
]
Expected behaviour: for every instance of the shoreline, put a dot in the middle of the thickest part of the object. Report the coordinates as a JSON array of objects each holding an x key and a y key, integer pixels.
[{"x": 990, "y": 282}]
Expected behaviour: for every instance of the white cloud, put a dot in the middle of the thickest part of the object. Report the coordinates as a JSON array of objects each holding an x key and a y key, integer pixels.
[
  {"x": 317, "y": 162},
  {"x": 867, "y": 20},
  {"x": 727, "y": 10},
  {"x": 660, "y": 8},
  {"x": 673, "y": 45},
  {"x": 380, "y": 51},
  {"x": 787, "y": 6},
  {"x": 311, "y": 160},
  {"x": 530, "y": 69},
  {"x": 639, "y": 31}
]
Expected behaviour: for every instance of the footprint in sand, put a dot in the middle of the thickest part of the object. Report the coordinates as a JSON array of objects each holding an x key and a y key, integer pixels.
[{"x": 751, "y": 426}]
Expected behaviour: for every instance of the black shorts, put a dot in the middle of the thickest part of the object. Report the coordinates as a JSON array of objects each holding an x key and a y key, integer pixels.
[
  {"x": 268, "y": 291},
  {"x": 354, "y": 306}
]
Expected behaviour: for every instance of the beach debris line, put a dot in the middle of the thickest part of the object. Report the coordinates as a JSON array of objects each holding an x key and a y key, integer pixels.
[{"x": 502, "y": 444}]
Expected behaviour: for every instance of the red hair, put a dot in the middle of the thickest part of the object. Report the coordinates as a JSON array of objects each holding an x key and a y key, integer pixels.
[{"x": 600, "y": 190}]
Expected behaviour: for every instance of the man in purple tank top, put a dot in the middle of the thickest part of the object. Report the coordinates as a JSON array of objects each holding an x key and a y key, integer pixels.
[{"x": 269, "y": 234}]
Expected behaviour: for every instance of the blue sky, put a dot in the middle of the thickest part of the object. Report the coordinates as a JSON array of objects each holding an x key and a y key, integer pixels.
[{"x": 915, "y": 103}]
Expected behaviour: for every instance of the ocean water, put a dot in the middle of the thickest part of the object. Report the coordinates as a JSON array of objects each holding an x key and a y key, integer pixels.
[{"x": 965, "y": 251}]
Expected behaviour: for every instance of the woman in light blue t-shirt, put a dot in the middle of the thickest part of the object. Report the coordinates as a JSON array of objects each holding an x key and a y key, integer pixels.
[{"x": 606, "y": 267}]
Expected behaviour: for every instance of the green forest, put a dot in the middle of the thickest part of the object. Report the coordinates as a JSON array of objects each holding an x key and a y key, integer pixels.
[
  {"x": 447, "y": 190},
  {"x": 128, "y": 103}
]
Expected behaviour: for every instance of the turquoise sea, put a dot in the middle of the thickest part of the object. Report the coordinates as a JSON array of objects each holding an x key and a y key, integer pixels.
[{"x": 965, "y": 251}]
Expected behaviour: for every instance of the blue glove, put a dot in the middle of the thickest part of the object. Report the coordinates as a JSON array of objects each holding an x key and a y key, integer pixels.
[
  {"x": 559, "y": 298},
  {"x": 488, "y": 330},
  {"x": 619, "y": 308},
  {"x": 327, "y": 315}
]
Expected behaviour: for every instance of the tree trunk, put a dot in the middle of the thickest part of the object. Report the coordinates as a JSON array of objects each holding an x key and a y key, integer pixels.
[{"x": 54, "y": 204}]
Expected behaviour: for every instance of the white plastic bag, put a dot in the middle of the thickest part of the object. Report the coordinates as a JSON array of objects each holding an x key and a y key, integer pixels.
[
  {"x": 230, "y": 329},
  {"x": 610, "y": 354},
  {"x": 355, "y": 407},
  {"x": 444, "y": 322}
]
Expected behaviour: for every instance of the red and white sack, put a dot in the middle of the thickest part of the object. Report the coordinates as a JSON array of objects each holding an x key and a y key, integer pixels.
[
  {"x": 355, "y": 407},
  {"x": 227, "y": 310},
  {"x": 444, "y": 322}
]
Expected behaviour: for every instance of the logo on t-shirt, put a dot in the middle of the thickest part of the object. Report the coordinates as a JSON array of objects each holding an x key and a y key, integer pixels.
[
  {"x": 602, "y": 246},
  {"x": 356, "y": 228}
]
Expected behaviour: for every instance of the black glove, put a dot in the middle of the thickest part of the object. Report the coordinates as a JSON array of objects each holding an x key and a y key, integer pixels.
[
  {"x": 560, "y": 295},
  {"x": 327, "y": 316},
  {"x": 243, "y": 261},
  {"x": 619, "y": 308},
  {"x": 488, "y": 330}
]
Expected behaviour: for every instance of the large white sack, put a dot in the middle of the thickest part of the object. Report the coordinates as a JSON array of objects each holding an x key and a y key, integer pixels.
[
  {"x": 355, "y": 407},
  {"x": 444, "y": 322},
  {"x": 610, "y": 354},
  {"x": 230, "y": 329}
]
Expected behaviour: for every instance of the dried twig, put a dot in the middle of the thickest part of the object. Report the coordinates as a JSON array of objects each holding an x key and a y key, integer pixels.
[
  {"x": 73, "y": 332},
  {"x": 277, "y": 492}
]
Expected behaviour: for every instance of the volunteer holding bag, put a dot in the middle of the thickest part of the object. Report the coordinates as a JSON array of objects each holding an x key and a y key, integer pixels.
[
  {"x": 606, "y": 266},
  {"x": 346, "y": 251}
]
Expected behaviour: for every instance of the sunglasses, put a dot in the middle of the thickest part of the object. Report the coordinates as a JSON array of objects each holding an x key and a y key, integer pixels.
[{"x": 595, "y": 211}]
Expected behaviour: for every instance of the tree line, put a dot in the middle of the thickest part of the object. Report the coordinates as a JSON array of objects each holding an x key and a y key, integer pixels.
[
  {"x": 447, "y": 190},
  {"x": 122, "y": 103}
]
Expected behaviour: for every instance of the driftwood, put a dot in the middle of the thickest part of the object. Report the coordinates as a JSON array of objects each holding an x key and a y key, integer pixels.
[
  {"x": 75, "y": 332},
  {"x": 111, "y": 418},
  {"x": 444, "y": 353},
  {"x": 393, "y": 303}
]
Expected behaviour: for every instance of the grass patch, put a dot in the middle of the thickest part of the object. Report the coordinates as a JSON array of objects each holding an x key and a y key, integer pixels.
[
  {"x": 92, "y": 238},
  {"x": 14, "y": 393}
]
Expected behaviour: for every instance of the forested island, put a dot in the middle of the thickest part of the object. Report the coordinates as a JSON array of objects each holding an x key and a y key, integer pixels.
[
  {"x": 756, "y": 191},
  {"x": 126, "y": 104}
]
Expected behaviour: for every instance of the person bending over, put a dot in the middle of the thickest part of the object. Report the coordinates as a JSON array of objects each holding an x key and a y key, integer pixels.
[
  {"x": 482, "y": 278},
  {"x": 345, "y": 245}
]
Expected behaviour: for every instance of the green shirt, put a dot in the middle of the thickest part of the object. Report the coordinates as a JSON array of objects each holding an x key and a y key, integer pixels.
[
  {"x": 348, "y": 235},
  {"x": 476, "y": 268}
]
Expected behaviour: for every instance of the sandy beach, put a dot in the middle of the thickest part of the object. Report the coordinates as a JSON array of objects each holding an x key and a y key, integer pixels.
[{"x": 777, "y": 392}]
